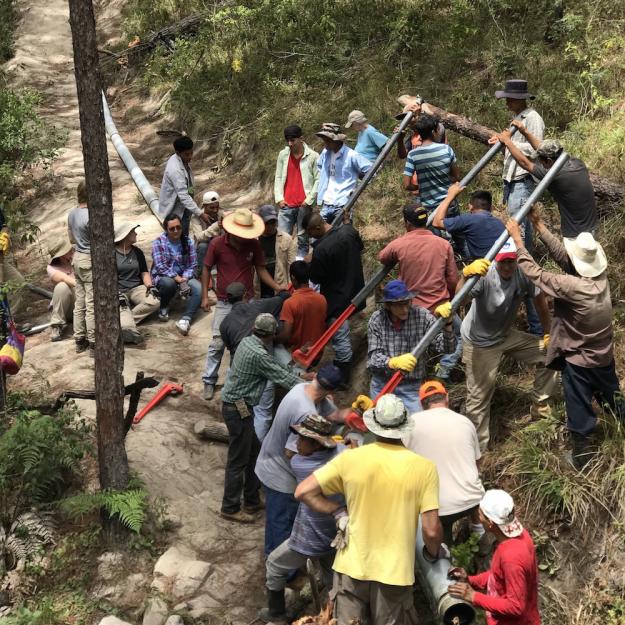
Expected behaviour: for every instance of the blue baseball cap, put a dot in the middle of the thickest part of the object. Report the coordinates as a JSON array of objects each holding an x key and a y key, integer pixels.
[
  {"x": 396, "y": 291},
  {"x": 329, "y": 377}
]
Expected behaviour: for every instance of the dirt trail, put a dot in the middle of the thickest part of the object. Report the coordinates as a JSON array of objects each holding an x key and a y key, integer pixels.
[{"x": 162, "y": 449}]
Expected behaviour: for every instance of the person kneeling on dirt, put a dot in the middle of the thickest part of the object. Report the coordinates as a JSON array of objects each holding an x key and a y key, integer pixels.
[
  {"x": 250, "y": 369},
  {"x": 61, "y": 272},
  {"x": 511, "y": 583},
  {"x": 449, "y": 440},
  {"x": 313, "y": 532},
  {"x": 173, "y": 262},
  {"x": 138, "y": 298},
  {"x": 581, "y": 338}
]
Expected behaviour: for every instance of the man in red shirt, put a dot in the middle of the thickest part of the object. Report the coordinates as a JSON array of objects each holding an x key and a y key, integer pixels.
[
  {"x": 303, "y": 315},
  {"x": 511, "y": 583},
  {"x": 236, "y": 255},
  {"x": 295, "y": 185}
]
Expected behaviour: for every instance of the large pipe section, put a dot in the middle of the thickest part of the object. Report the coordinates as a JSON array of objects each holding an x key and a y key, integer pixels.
[
  {"x": 145, "y": 188},
  {"x": 450, "y": 610}
]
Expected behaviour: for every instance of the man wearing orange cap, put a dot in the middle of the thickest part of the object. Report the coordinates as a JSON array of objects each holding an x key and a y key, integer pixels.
[{"x": 236, "y": 255}]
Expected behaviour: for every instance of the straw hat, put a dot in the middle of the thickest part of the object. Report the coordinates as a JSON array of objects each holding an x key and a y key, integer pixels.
[
  {"x": 389, "y": 418},
  {"x": 60, "y": 248},
  {"x": 587, "y": 255},
  {"x": 243, "y": 223},
  {"x": 122, "y": 230}
]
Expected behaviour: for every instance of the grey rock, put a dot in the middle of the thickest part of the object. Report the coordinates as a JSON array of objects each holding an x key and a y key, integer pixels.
[
  {"x": 109, "y": 565},
  {"x": 156, "y": 612},
  {"x": 189, "y": 579},
  {"x": 112, "y": 620},
  {"x": 174, "y": 619}
]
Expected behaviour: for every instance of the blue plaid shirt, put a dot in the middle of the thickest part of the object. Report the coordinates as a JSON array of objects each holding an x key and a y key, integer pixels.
[{"x": 168, "y": 263}]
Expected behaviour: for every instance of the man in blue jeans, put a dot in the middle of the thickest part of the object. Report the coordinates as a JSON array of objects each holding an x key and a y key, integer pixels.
[{"x": 295, "y": 185}]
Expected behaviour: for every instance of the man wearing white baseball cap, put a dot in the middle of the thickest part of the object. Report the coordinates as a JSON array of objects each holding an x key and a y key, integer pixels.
[{"x": 511, "y": 583}]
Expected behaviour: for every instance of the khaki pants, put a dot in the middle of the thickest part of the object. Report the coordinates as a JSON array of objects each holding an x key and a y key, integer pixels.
[
  {"x": 482, "y": 364},
  {"x": 10, "y": 273},
  {"x": 372, "y": 603},
  {"x": 84, "y": 319},
  {"x": 62, "y": 304},
  {"x": 142, "y": 306}
]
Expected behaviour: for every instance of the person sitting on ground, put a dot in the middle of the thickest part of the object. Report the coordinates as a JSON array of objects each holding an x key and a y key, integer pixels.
[
  {"x": 173, "y": 262},
  {"x": 336, "y": 266},
  {"x": 581, "y": 341},
  {"x": 61, "y": 272},
  {"x": 392, "y": 333},
  {"x": 387, "y": 488},
  {"x": 370, "y": 139},
  {"x": 340, "y": 168},
  {"x": 313, "y": 532},
  {"x": 237, "y": 255},
  {"x": 571, "y": 187},
  {"x": 273, "y": 468},
  {"x": 488, "y": 335},
  {"x": 203, "y": 235},
  {"x": 238, "y": 324},
  {"x": 508, "y": 591},
  {"x": 138, "y": 298},
  {"x": 176, "y": 195},
  {"x": 449, "y": 440},
  {"x": 479, "y": 227},
  {"x": 250, "y": 369},
  {"x": 303, "y": 316},
  {"x": 78, "y": 230},
  {"x": 278, "y": 248},
  {"x": 295, "y": 186}
]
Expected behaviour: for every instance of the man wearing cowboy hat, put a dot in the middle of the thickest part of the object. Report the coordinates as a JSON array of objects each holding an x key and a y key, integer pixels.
[
  {"x": 377, "y": 530},
  {"x": 313, "y": 532},
  {"x": 571, "y": 187},
  {"x": 581, "y": 341},
  {"x": 237, "y": 255},
  {"x": 370, "y": 139},
  {"x": 340, "y": 168},
  {"x": 392, "y": 333},
  {"x": 508, "y": 591},
  {"x": 61, "y": 272}
]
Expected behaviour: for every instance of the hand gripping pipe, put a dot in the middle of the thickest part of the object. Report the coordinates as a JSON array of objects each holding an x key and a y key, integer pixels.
[
  {"x": 388, "y": 146},
  {"x": 145, "y": 188},
  {"x": 450, "y": 610}
]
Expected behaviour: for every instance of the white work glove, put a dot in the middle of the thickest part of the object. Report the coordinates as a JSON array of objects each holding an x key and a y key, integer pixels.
[{"x": 342, "y": 530}]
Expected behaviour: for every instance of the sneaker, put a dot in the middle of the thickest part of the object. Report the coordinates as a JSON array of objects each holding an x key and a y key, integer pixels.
[
  {"x": 57, "y": 333},
  {"x": 209, "y": 391},
  {"x": 82, "y": 345},
  {"x": 183, "y": 326},
  {"x": 163, "y": 315},
  {"x": 238, "y": 517}
]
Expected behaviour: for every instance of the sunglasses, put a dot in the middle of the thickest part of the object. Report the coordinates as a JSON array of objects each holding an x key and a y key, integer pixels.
[{"x": 174, "y": 229}]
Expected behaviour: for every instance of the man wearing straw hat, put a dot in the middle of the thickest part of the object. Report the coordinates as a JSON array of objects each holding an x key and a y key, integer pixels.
[
  {"x": 237, "y": 254},
  {"x": 61, "y": 272},
  {"x": 377, "y": 530},
  {"x": 581, "y": 341}
]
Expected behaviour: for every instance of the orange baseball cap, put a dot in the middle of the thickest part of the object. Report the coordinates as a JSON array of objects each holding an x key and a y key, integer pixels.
[{"x": 431, "y": 387}]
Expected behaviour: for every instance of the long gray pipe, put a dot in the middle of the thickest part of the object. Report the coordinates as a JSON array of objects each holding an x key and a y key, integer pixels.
[
  {"x": 436, "y": 585},
  {"x": 145, "y": 188}
]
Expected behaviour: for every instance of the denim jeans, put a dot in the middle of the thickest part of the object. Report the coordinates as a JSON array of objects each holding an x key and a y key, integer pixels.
[
  {"x": 243, "y": 448},
  {"x": 341, "y": 343},
  {"x": 329, "y": 212},
  {"x": 168, "y": 287},
  {"x": 515, "y": 195},
  {"x": 280, "y": 512},
  {"x": 291, "y": 217},
  {"x": 216, "y": 347},
  {"x": 263, "y": 411},
  {"x": 201, "y": 248},
  {"x": 449, "y": 361},
  {"x": 408, "y": 392}
]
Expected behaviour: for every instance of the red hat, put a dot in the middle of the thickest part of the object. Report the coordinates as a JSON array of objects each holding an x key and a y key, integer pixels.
[
  {"x": 507, "y": 252},
  {"x": 431, "y": 387}
]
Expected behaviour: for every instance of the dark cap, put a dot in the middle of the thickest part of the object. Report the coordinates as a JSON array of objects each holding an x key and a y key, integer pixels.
[
  {"x": 329, "y": 377},
  {"x": 183, "y": 143},
  {"x": 268, "y": 212},
  {"x": 292, "y": 132},
  {"x": 235, "y": 291},
  {"x": 396, "y": 291},
  {"x": 415, "y": 214}
]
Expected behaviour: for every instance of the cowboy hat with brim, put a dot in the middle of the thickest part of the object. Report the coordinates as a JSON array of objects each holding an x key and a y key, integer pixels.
[
  {"x": 331, "y": 131},
  {"x": 317, "y": 428},
  {"x": 60, "y": 248},
  {"x": 515, "y": 89},
  {"x": 243, "y": 223},
  {"x": 389, "y": 418},
  {"x": 587, "y": 255},
  {"x": 123, "y": 230}
]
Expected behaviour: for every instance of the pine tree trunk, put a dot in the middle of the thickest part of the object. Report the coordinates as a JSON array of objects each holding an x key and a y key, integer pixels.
[{"x": 109, "y": 385}]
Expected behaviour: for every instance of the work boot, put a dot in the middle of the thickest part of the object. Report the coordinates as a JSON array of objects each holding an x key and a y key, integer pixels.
[
  {"x": 540, "y": 410},
  {"x": 346, "y": 371},
  {"x": 582, "y": 450},
  {"x": 133, "y": 337},
  {"x": 57, "y": 333},
  {"x": 209, "y": 391},
  {"x": 239, "y": 517},
  {"x": 275, "y": 612},
  {"x": 82, "y": 345},
  {"x": 253, "y": 508}
]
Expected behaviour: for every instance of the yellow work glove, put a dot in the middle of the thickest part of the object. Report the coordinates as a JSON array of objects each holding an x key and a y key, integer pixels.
[
  {"x": 444, "y": 310},
  {"x": 478, "y": 267},
  {"x": 405, "y": 362},
  {"x": 5, "y": 242},
  {"x": 546, "y": 339},
  {"x": 362, "y": 403}
]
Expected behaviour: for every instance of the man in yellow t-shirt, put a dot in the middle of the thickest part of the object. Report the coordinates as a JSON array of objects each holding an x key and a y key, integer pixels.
[{"x": 386, "y": 488}]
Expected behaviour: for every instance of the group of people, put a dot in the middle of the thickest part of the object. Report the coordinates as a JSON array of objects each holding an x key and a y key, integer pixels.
[{"x": 279, "y": 276}]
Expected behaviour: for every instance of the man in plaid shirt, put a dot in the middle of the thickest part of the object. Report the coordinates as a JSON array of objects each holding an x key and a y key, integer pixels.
[{"x": 393, "y": 332}]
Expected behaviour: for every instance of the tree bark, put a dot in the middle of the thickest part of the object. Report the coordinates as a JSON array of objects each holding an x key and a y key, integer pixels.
[
  {"x": 607, "y": 192},
  {"x": 109, "y": 385}
]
